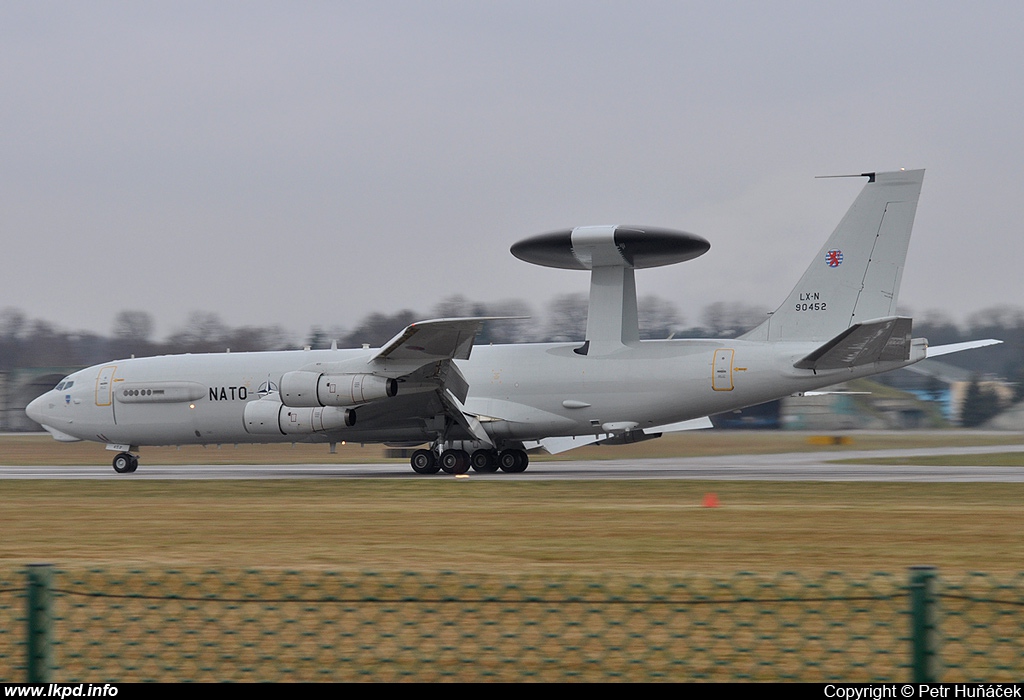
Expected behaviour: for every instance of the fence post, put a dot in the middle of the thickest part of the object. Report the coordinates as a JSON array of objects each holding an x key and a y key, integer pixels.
[
  {"x": 924, "y": 653},
  {"x": 38, "y": 645}
]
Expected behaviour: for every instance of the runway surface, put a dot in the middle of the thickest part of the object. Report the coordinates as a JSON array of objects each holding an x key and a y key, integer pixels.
[{"x": 799, "y": 466}]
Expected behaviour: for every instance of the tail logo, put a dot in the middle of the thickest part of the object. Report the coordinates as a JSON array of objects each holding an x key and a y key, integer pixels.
[{"x": 834, "y": 258}]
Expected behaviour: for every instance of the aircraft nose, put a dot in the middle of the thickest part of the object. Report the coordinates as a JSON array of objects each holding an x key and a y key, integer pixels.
[{"x": 35, "y": 409}]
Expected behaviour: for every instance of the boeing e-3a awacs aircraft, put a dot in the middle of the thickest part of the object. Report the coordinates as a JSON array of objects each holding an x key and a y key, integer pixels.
[{"x": 486, "y": 406}]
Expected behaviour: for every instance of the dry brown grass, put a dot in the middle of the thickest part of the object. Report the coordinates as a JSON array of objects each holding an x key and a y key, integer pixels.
[{"x": 639, "y": 527}]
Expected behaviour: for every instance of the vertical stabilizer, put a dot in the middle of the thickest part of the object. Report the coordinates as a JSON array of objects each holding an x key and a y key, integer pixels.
[{"x": 855, "y": 277}]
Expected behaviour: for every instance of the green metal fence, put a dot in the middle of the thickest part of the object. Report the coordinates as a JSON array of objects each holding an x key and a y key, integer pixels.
[{"x": 110, "y": 626}]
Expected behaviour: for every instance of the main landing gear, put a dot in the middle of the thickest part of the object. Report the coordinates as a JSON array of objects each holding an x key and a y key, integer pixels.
[
  {"x": 459, "y": 461},
  {"x": 125, "y": 463},
  {"x": 424, "y": 462}
]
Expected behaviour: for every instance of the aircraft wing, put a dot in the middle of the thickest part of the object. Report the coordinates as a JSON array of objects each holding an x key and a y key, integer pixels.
[
  {"x": 439, "y": 339},
  {"x": 422, "y": 354}
]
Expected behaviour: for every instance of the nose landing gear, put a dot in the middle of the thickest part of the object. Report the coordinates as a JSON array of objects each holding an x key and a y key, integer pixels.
[{"x": 125, "y": 463}]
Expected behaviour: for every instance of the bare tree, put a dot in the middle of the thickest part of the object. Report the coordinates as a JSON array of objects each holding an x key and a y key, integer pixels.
[
  {"x": 133, "y": 325},
  {"x": 377, "y": 329},
  {"x": 1004, "y": 316},
  {"x": 12, "y": 323},
  {"x": 514, "y": 330},
  {"x": 938, "y": 327},
  {"x": 567, "y": 318},
  {"x": 204, "y": 332},
  {"x": 45, "y": 345},
  {"x": 256, "y": 338},
  {"x": 725, "y": 319},
  {"x": 659, "y": 318},
  {"x": 455, "y": 306}
]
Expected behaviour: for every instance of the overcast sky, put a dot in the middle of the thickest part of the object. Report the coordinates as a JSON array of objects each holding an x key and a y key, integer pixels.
[{"x": 307, "y": 163}]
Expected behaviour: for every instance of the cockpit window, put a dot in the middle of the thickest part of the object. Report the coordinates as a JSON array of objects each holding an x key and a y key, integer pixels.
[
  {"x": 68, "y": 385},
  {"x": 64, "y": 384},
  {"x": 59, "y": 386}
]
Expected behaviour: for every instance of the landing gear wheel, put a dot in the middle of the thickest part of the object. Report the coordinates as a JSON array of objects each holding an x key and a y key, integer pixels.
[
  {"x": 484, "y": 461},
  {"x": 424, "y": 462},
  {"x": 454, "y": 462},
  {"x": 125, "y": 463},
  {"x": 513, "y": 461}
]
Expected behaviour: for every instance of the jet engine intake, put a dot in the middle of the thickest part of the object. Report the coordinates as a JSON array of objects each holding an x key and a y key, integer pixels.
[
  {"x": 274, "y": 418},
  {"x": 305, "y": 389}
]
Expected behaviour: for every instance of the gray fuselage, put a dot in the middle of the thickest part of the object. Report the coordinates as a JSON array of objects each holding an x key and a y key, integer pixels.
[{"x": 518, "y": 392}]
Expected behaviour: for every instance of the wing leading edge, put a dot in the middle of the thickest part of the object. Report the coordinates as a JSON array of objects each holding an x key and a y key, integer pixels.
[{"x": 436, "y": 339}]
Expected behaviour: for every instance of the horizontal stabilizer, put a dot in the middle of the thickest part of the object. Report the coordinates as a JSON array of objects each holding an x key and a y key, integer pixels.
[
  {"x": 557, "y": 445},
  {"x": 883, "y": 339},
  {"x": 960, "y": 347},
  {"x": 833, "y": 393},
  {"x": 694, "y": 424}
]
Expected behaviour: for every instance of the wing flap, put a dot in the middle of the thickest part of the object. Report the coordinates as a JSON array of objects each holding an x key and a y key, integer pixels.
[{"x": 455, "y": 409}]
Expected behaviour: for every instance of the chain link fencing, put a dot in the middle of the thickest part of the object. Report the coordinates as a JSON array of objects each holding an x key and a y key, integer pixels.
[{"x": 258, "y": 625}]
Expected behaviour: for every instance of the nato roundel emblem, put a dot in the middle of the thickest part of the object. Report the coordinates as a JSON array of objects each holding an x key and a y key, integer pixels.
[{"x": 834, "y": 258}]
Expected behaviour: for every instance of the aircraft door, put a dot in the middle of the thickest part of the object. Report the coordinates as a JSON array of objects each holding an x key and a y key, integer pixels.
[
  {"x": 721, "y": 373},
  {"x": 104, "y": 385}
]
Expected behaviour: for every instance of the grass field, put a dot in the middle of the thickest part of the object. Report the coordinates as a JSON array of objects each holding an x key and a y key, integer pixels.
[
  {"x": 636, "y": 527},
  {"x": 440, "y": 523},
  {"x": 995, "y": 459}
]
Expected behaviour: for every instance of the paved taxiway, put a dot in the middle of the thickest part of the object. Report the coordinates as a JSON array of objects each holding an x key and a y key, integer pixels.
[{"x": 798, "y": 466}]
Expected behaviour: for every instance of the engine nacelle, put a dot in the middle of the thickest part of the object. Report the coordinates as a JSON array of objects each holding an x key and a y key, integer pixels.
[
  {"x": 274, "y": 418},
  {"x": 303, "y": 389}
]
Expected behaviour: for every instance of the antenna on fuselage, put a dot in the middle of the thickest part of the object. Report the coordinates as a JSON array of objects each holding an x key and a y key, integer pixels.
[{"x": 611, "y": 253}]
